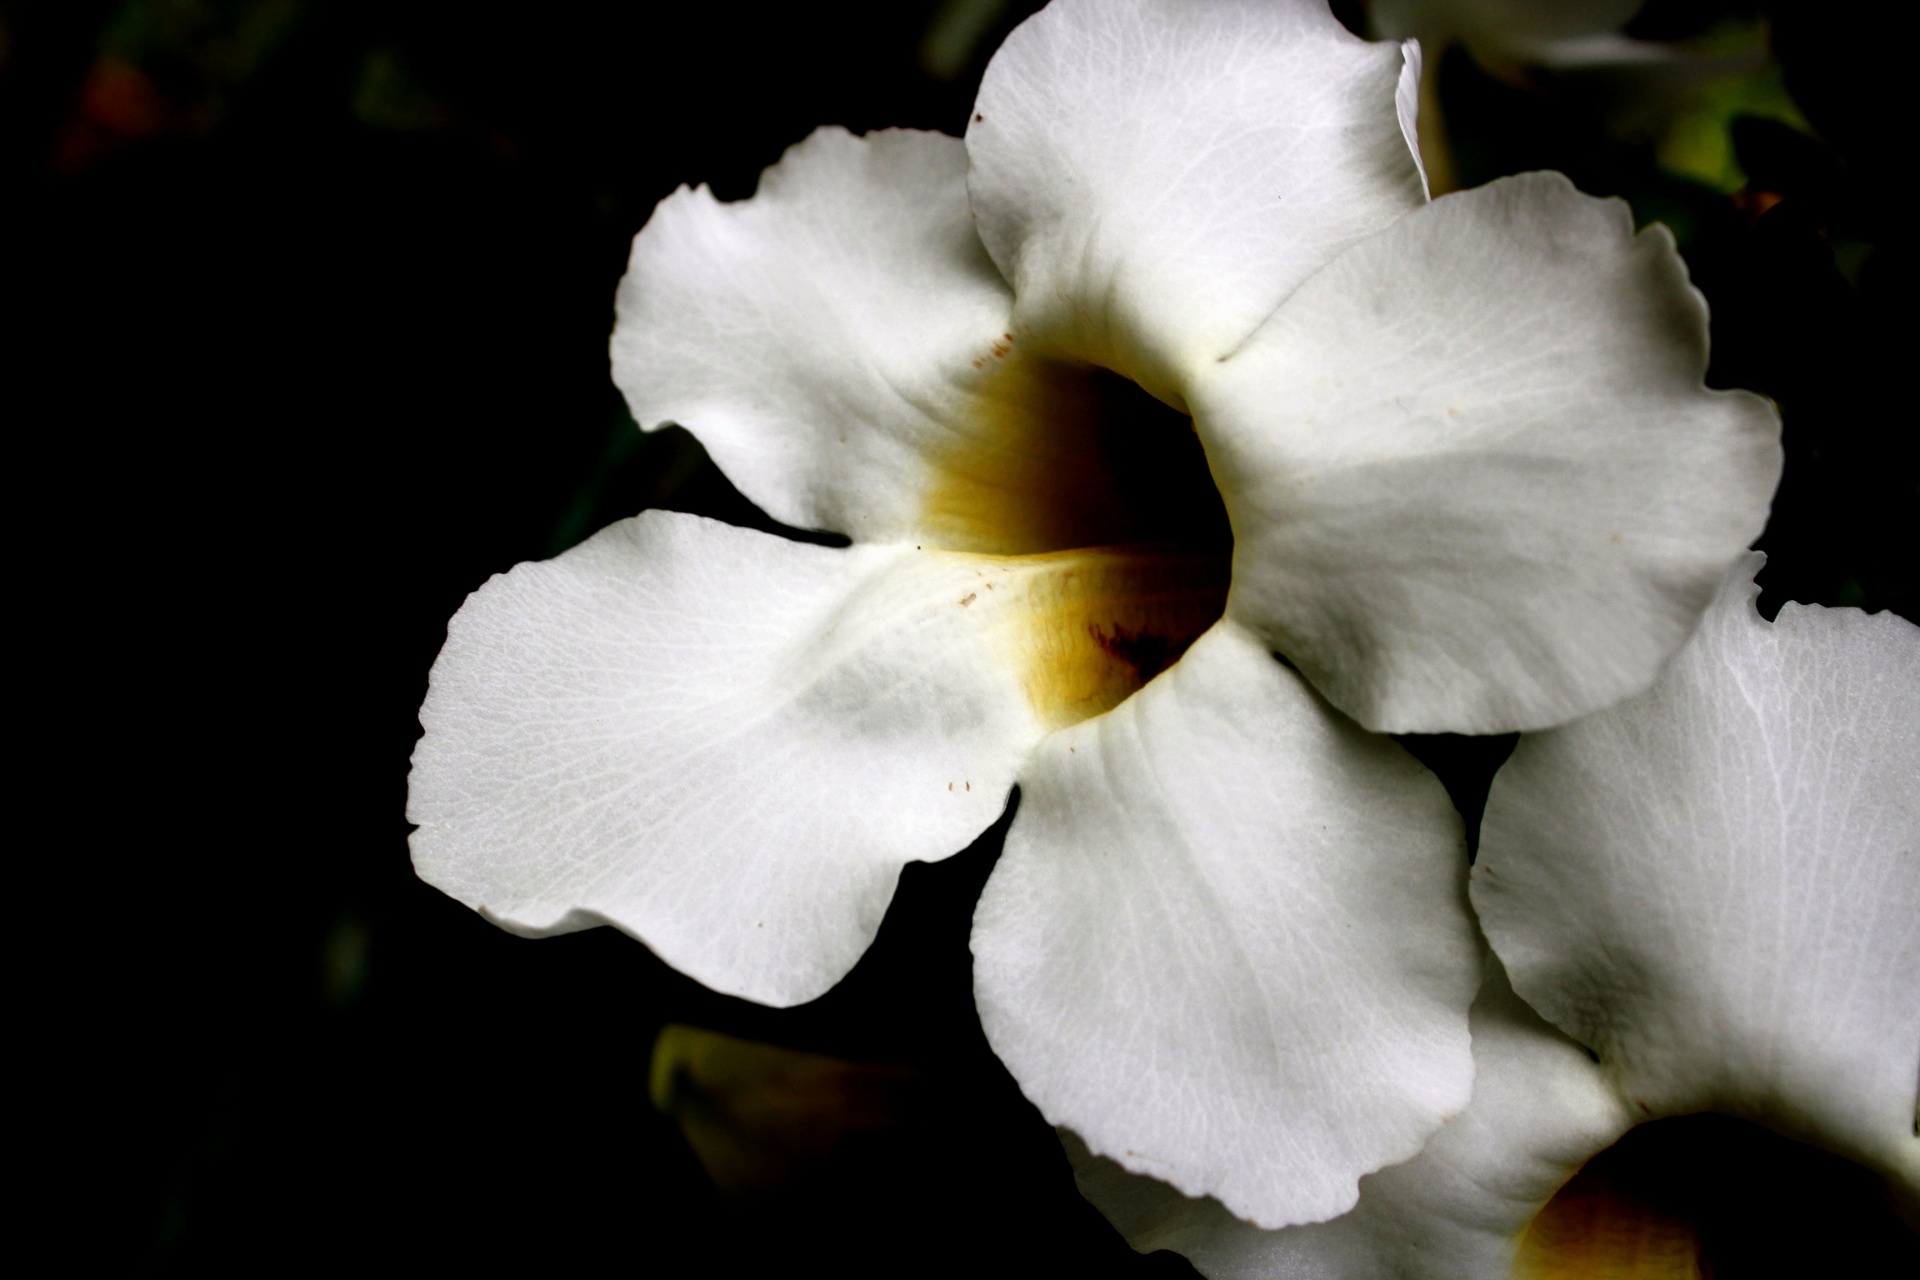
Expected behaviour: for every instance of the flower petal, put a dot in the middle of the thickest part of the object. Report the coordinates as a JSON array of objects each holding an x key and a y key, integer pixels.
[
  {"x": 1406, "y": 105},
  {"x": 1226, "y": 941},
  {"x": 837, "y": 338},
  {"x": 1476, "y": 481},
  {"x": 1717, "y": 885},
  {"x": 1456, "y": 1211},
  {"x": 723, "y": 743},
  {"x": 1155, "y": 176}
]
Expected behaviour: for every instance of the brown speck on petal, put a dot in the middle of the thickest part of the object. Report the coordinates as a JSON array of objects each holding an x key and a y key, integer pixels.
[{"x": 968, "y": 599}]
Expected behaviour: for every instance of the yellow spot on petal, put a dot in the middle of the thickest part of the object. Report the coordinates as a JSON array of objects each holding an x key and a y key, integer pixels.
[{"x": 1085, "y": 628}]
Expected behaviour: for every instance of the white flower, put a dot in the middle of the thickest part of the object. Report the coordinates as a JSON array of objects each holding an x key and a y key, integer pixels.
[
  {"x": 1474, "y": 481},
  {"x": 1715, "y": 887}
]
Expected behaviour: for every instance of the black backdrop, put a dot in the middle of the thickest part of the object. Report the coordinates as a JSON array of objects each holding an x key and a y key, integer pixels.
[{"x": 307, "y": 336}]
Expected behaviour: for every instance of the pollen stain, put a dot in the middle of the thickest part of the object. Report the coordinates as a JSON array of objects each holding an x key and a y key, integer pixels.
[
  {"x": 1147, "y": 653},
  {"x": 968, "y": 599}
]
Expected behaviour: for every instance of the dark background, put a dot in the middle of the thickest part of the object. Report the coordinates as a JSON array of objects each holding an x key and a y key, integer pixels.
[{"x": 307, "y": 310}]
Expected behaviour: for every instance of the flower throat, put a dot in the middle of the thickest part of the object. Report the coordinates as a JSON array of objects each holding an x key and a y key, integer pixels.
[{"x": 1095, "y": 500}]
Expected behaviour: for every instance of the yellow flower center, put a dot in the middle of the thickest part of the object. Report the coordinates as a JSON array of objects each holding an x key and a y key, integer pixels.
[{"x": 1092, "y": 502}]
